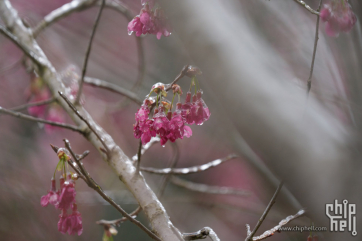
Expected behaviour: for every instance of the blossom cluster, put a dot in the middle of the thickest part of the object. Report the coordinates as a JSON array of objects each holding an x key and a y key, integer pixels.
[
  {"x": 150, "y": 21},
  {"x": 165, "y": 123},
  {"x": 338, "y": 16},
  {"x": 64, "y": 199}
]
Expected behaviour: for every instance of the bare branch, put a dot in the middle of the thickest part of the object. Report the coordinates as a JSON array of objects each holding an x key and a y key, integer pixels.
[
  {"x": 85, "y": 64},
  {"x": 117, "y": 222},
  {"x": 307, "y": 7},
  {"x": 309, "y": 83},
  {"x": 175, "y": 158},
  {"x": 261, "y": 220},
  {"x": 188, "y": 170},
  {"x": 201, "y": 234},
  {"x": 197, "y": 187},
  {"x": 146, "y": 147},
  {"x": 94, "y": 185},
  {"x": 112, "y": 87},
  {"x": 271, "y": 232},
  {"x": 31, "y": 118},
  {"x": 25, "y": 106},
  {"x": 59, "y": 13},
  {"x": 35, "y": 58},
  {"x": 139, "y": 155},
  {"x": 85, "y": 121},
  {"x": 178, "y": 77}
]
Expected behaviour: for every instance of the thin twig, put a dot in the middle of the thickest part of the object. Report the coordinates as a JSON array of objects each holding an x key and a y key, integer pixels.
[
  {"x": 139, "y": 155},
  {"x": 271, "y": 232},
  {"x": 188, "y": 170},
  {"x": 201, "y": 234},
  {"x": 25, "y": 106},
  {"x": 31, "y": 118},
  {"x": 178, "y": 77},
  {"x": 81, "y": 157},
  {"x": 153, "y": 140},
  {"x": 261, "y": 220},
  {"x": 94, "y": 185},
  {"x": 166, "y": 179},
  {"x": 36, "y": 59},
  {"x": 307, "y": 7},
  {"x": 85, "y": 121},
  {"x": 309, "y": 83},
  {"x": 84, "y": 70},
  {"x": 59, "y": 13},
  {"x": 117, "y": 222},
  {"x": 198, "y": 187},
  {"x": 114, "y": 88}
]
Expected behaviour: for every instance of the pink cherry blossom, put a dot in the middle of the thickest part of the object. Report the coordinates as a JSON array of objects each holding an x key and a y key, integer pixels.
[
  {"x": 177, "y": 128},
  {"x": 52, "y": 197},
  {"x": 186, "y": 110},
  {"x": 161, "y": 125},
  {"x": 338, "y": 16},
  {"x": 135, "y": 26},
  {"x": 64, "y": 222},
  {"x": 162, "y": 26},
  {"x": 75, "y": 218},
  {"x": 67, "y": 196}
]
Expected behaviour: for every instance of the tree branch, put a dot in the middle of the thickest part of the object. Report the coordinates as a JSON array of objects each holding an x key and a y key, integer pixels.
[
  {"x": 31, "y": 118},
  {"x": 307, "y": 7},
  {"x": 117, "y": 222},
  {"x": 25, "y": 106},
  {"x": 201, "y": 234},
  {"x": 84, "y": 70},
  {"x": 120, "y": 163},
  {"x": 114, "y": 88},
  {"x": 188, "y": 170},
  {"x": 197, "y": 187},
  {"x": 309, "y": 83},
  {"x": 261, "y": 220}
]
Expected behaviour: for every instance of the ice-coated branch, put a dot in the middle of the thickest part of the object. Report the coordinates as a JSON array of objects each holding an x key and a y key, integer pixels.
[
  {"x": 62, "y": 12},
  {"x": 28, "y": 52},
  {"x": 263, "y": 216},
  {"x": 309, "y": 83},
  {"x": 120, "y": 163},
  {"x": 203, "y": 188},
  {"x": 25, "y": 106},
  {"x": 39, "y": 120},
  {"x": 307, "y": 7},
  {"x": 201, "y": 234},
  {"x": 271, "y": 232},
  {"x": 188, "y": 170},
  {"x": 114, "y": 88},
  {"x": 87, "y": 53}
]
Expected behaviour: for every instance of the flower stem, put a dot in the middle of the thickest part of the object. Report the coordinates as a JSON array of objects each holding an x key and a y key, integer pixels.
[{"x": 172, "y": 101}]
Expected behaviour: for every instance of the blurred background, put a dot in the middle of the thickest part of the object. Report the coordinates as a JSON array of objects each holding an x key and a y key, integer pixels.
[{"x": 255, "y": 57}]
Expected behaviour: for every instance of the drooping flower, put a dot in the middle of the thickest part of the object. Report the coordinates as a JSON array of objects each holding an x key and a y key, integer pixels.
[
  {"x": 147, "y": 20},
  {"x": 338, "y": 16},
  {"x": 177, "y": 128},
  {"x": 52, "y": 197},
  {"x": 162, "y": 26},
  {"x": 203, "y": 107},
  {"x": 67, "y": 195},
  {"x": 63, "y": 223},
  {"x": 75, "y": 218},
  {"x": 143, "y": 128},
  {"x": 186, "y": 110},
  {"x": 161, "y": 124},
  {"x": 135, "y": 26}
]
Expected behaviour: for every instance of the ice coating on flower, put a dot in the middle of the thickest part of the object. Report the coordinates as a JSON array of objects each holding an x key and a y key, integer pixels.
[
  {"x": 150, "y": 22},
  {"x": 338, "y": 16},
  {"x": 67, "y": 196},
  {"x": 52, "y": 197},
  {"x": 135, "y": 26},
  {"x": 186, "y": 110},
  {"x": 151, "y": 3},
  {"x": 206, "y": 112},
  {"x": 177, "y": 128}
]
